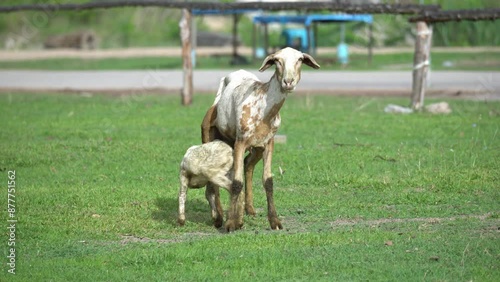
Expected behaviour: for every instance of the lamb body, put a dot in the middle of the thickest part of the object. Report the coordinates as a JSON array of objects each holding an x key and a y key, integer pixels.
[{"x": 210, "y": 162}]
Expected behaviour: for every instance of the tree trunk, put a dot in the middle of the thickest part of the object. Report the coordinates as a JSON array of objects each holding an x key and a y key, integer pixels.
[
  {"x": 309, "y": 40},
  {"x": 235, "y": 37},
  {"x": 266, "y": 39},
  {"x": 187, "y": 64},
  {"x": 421, "y": 64},
  {"x": 370, "y": 43},
  {"x": 254, "y": 41}
]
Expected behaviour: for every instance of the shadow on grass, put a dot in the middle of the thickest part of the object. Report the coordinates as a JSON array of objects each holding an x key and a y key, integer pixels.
[{"x": 197, "y": 211}]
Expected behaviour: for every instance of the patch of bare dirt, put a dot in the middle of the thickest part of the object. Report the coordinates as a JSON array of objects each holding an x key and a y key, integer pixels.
[
  {"x": 429, "y": 220},
  {"x": 129, "y": 238}
]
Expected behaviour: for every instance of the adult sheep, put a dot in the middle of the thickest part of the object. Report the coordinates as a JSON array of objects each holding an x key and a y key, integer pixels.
[{"x": 245, "y": 115}]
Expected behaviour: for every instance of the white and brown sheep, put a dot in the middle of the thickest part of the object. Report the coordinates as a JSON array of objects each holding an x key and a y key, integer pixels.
[
  {"x": 245, "y": 115},
  {"x": 210, "y": 162}
]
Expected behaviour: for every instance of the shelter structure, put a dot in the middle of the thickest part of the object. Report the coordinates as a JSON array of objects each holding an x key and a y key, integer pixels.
[
  {"x": 236, "y": 15},
  {"x": 310, "y": 22}
]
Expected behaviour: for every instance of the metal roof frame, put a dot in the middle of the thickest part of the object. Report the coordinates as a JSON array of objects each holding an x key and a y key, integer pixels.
[{"x": 308, "y": 20}]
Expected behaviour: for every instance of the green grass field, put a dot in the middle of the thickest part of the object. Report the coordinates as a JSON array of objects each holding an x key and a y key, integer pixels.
[
  {"x": 364, "y": 195},
  {"x": 397, "y": 61}
]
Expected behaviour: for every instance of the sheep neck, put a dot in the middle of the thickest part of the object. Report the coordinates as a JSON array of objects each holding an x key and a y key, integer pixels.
[
  {"x": 275, "y": 97},
  {"x": 274, "y": 89}
]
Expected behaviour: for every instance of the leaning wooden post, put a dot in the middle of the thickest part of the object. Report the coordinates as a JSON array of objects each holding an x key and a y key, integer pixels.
[
  {"x": 187, "y": 64},
  {"x": 421, "y": 64},
  {"x": 309, "y": 39},
  {"x": 254, "y": 41},
  {"x": 370, "y": 43},
  {"x": 235, "y": 37},
  {"x": 314, "y": 37},
  {"x": 266, "y": 39}
]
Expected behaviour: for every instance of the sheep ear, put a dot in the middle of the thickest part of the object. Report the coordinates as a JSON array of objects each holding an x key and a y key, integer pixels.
[
  {"x": 268, "y": 61},
  {"x": 309, "y": 60}
]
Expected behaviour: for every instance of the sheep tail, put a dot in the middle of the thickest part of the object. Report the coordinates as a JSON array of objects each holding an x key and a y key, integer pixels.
[{"x": 222, "y": 86}]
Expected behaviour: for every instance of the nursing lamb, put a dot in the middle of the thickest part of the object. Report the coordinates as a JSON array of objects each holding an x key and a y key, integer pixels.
[{"x": 210, "y": 162}]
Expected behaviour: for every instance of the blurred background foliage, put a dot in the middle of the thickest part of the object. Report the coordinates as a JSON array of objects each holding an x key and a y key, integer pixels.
[{"x": 150, "y": 27}]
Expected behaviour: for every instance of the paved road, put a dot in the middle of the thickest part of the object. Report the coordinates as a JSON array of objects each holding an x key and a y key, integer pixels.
[
  {"x": 207, "y": 81},
  {"x": 175, "y": 51}
]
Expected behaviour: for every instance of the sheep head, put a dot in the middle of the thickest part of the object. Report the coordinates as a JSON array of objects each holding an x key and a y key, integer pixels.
[{"x": 288, "y": 62}]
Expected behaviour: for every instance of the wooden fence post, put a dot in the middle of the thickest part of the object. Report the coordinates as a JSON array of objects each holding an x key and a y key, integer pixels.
[
  {"x": 370, "y": 43},
  {"x": 236, "y": 19},
  {"x": 421, "y": 62},
  {"x": 309, "y": 40},
  {"x": 254, "y": 41},
  {"x": 187, "y": 64},
  {"x": 266, "y": 40}
]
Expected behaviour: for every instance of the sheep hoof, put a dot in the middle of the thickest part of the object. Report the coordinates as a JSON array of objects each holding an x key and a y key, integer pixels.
[
  {"x": 218, "y": 222},
  {"x": 250, "y": 211},
  {"x": 181, "y": 221},
  {"x": 275, "y": 224},
  {"x": 232, "y": 225}
]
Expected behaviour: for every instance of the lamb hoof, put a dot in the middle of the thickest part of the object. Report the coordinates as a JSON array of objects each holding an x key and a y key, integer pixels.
[
  {"x": 275, "y": 224},
  {"x": 250, "y": 211},
  {"x": 218, "y": 222},
  {"x": 181, "y": 221},
  {"x": 232, "y": 225}
]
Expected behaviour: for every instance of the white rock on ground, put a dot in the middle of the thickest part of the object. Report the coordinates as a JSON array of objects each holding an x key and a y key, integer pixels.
[{"x": 438, "y": 108}]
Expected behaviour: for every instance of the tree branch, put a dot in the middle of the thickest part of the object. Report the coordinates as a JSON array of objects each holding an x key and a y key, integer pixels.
[
  {"x": 272, "y": 6},
  {"x": 457, "y": 15}
]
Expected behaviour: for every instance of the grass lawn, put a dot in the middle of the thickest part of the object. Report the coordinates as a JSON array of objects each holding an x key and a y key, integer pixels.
[
  {"x": 364, "y": 195},
  {"x": 397, "y": 61}
]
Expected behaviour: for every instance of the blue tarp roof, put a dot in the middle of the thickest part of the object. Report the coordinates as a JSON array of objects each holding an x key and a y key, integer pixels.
[{"x": 307, "y": 20}]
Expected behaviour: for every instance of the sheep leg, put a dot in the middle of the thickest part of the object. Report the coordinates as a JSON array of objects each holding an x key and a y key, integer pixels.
[
  {"x": 184, "y": 180},
  {"x": 210, "y": 133},
  {"x": 213, "y": 198},
  {"x": 267, "y": 180},
  {"x": 236, "y": 206},
  {"x": 250, "y": 161},
  {"x": 207, "y": 130}
]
